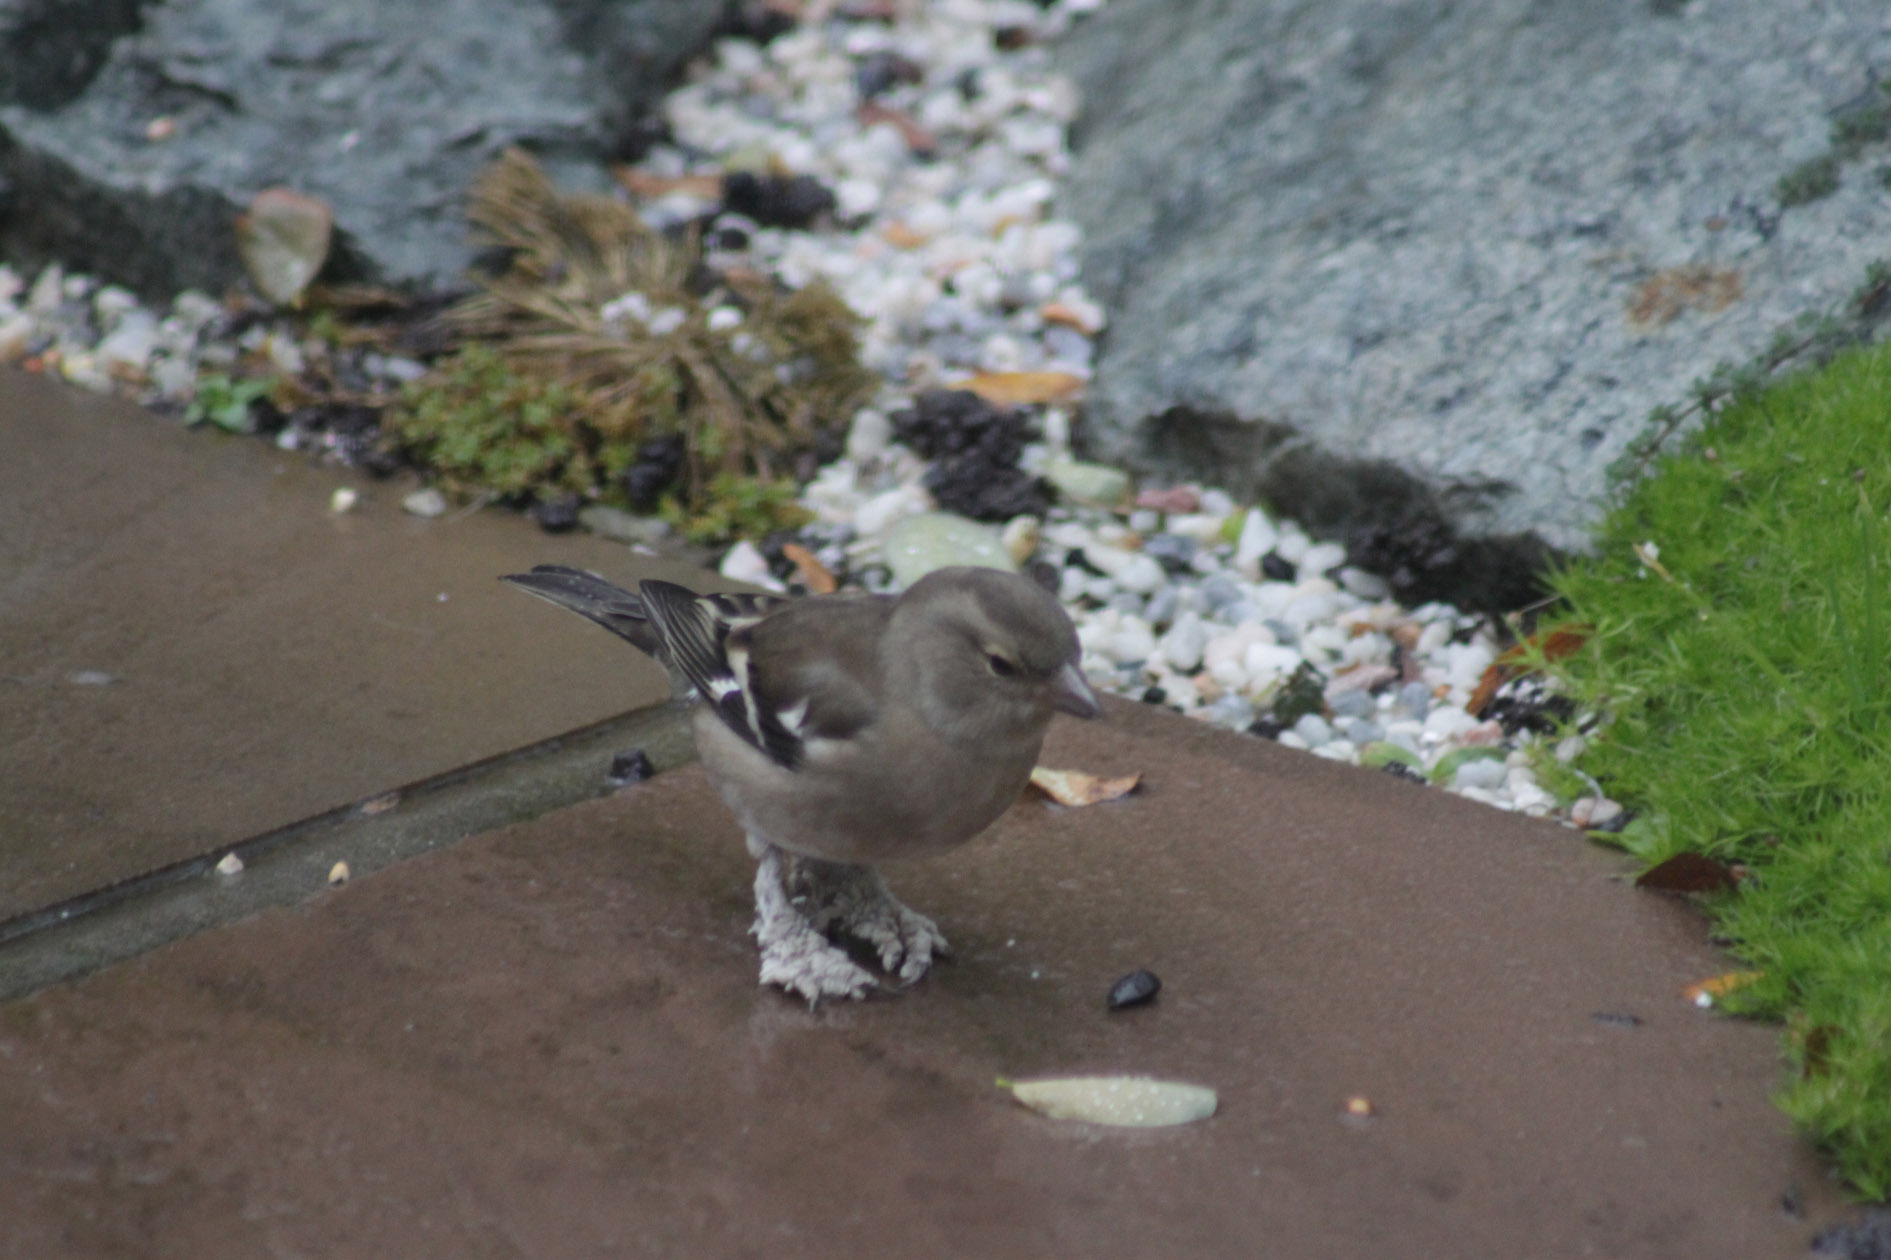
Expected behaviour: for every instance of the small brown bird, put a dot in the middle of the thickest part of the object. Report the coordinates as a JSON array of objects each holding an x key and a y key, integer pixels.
[{"x": 845, "y": 731}]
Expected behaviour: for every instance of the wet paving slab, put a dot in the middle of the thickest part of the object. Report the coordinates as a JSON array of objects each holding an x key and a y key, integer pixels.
[
  {"x": 547, "y": 1041},
  {"x": 194, "y": 650}
]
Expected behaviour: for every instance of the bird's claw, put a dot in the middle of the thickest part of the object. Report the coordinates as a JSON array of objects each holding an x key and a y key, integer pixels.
[{"x": 856, "y": 901}]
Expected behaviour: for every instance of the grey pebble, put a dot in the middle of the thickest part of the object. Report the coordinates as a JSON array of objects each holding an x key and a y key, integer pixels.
[
  {"x": 1363, "y": 731},
  {"x": 1415, "y": 699},
  {"x": 1352, "y": 704},
  {"x": 1314, "y": 729}
]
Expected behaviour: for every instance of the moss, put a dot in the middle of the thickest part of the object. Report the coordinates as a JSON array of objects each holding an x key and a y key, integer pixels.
[
  {"x": 1809, "y": 181},
  {"x": 1746, "y": 664},
  {"x": 484, "y": 426},
  {"x": 617, "y": 336}
]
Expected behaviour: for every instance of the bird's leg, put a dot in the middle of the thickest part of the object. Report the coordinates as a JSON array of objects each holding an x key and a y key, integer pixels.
[
  {"x": 857, "y": 901},
  {"x": 794, "y": 954}
]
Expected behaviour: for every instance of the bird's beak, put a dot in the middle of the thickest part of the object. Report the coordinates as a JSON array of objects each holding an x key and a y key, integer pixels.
[{"x": 1071, "y": 694}]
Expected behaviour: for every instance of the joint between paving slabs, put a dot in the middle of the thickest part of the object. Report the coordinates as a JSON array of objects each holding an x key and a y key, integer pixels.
[{"x": 291, "y": 864}]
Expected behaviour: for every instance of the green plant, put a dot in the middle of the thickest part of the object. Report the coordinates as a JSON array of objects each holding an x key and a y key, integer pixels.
[
  {"x": 1809, "y": 181},
  {"x": 225, "y": 402},
  {"x": 615, "y": 336},
  {"x": 733, "y": 506},
  {"x": 484, "y": 426},
  {"x": 1740, "y": 643}
]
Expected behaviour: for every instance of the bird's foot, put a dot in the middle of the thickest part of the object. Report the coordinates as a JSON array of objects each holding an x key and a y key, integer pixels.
[
  {"x": 794, "y": 954},
  {"x": 856, "y": 900}
]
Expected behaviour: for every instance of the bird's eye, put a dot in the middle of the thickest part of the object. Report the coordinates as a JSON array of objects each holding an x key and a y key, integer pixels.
[{"x": 1000, "y": 666}]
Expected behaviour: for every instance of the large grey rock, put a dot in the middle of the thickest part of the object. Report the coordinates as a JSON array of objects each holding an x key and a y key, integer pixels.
[
  {"x": 383, "y": 108},
  {"x": 1420, "y": 270}
]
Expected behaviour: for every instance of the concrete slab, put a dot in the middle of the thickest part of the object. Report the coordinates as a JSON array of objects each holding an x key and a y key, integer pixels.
[
  {"x": 272, "y": 660},
  {"x": 548, "y": 1041}
]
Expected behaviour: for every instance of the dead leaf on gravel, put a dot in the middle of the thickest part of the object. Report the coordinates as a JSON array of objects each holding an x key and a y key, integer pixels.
[
  {"x": 1519, "y": 660},
  {"x": 812, "y": 572},
  {"x": 1688, "y": 873},
  {"x": 1016, "y": 389},
  {"x": 283, "y": 241},
  {"x": 1074, "y": 787},
  {"x": 647, "y": 187}
]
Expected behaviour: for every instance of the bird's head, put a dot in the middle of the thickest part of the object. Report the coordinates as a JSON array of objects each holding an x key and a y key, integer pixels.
[{"x": 993, "y": 653}]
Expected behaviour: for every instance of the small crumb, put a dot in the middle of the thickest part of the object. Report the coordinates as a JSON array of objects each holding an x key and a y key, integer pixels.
[
  {"x": 1359, "y": 1107},
  {"x": 338, "y": 875},
  {"x": 230, "y": 865},
  {"x": 344, "y": 499},
  {"x": 380, "y": 804},
  {"x": 91, "y": 678},
  {"x": 160, "y": 128}
]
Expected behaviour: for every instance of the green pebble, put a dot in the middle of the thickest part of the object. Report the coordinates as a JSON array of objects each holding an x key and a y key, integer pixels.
[
  {"x": 935, "y": 540},
  {"x": 1379, "y": 753},
  {"x": 1091, "y": 483}
]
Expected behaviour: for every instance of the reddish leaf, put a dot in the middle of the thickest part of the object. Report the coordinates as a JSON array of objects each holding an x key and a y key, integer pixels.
[
  {"x": 1553, "y": 645},
  {"x": 1688, "y": 873}
]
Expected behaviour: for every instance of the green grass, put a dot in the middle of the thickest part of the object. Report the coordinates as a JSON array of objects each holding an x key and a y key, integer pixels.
[{"x": 1747, "y": 674}]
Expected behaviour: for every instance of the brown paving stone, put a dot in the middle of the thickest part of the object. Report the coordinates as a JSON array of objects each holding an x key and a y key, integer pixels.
[
  {"x": 275, "y": 660},
  {"x": 548, "y": 1042}
]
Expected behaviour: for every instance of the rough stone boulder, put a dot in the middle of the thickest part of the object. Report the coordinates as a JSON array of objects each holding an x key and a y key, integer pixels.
[
  {"x": 133, "y": 131},
  {"x": 1418, "y": 271}
]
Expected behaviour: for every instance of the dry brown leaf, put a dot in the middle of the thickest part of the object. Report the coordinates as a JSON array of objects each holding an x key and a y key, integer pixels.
[
  {"x": 900, "y": 236},
  {"x": 1014, "y": 389},
  {"x": 380, "y": 804},
  {"x": 1074, "y": 787},
  {"x": 812, "y": 572},
  {"x": 283, "y": 240},
  {"x": 1556, "y": 644},
  {"x": 1069, "y": 317},
  {"x": 647, "y": 187},
  {"x": 1705, "y": 993},
  {"x": 1688, "y": 873},
  {"x": 917, "y": 138}
]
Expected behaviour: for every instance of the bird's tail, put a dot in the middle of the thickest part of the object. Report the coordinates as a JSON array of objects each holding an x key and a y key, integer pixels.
[{"x": 591, "y": 597}]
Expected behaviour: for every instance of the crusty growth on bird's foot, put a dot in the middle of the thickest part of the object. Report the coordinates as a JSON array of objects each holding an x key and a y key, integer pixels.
[
  {"x": 795, "y": 955},
  {"x": 855, "y": 900}
]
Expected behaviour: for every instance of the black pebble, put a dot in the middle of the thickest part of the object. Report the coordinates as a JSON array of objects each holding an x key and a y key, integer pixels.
[
  {"x": 628, "y": 767},
  {"x": 659, "y": 460},
  {"x": 1134, "y": 989},
  {"x": 1277, "y": 568},
  {"x": 557, "y": 516},
  {"x": 1267, "y": 727},
  {"x": 879, "y": 71},
  {"x": 1399, "y": 770},
  {"x": 1155, "y": 695},
  {"x": 790, "y": 201},
  {"x": 974, "y": 448}
]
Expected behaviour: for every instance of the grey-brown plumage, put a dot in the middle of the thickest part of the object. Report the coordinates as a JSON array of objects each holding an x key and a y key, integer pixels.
[{"x": 849, "y": 731}]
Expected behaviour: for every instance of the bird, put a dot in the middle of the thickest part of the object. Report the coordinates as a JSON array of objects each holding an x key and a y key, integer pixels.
[{"x": 848, "y": 730}]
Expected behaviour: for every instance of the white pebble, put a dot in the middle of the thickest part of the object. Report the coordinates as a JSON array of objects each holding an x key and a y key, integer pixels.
[
  {"x": 1448, "y": 722},
  {"x": 746, "y": 564},
  {"x": 1258, "y": 537},
  {"x": 344, "y": 499},
  {"x": 427, "y": 502},
  {"x": 1486, "y": 772},
  {"x": 723, "y": 318},
  {"x": 1183, "y": 645}
]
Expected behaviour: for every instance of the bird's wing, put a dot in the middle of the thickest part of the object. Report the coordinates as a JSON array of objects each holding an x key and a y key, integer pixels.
[
  {"x": 817, "y": 664},
  {"x": 705, "y": 638}
]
